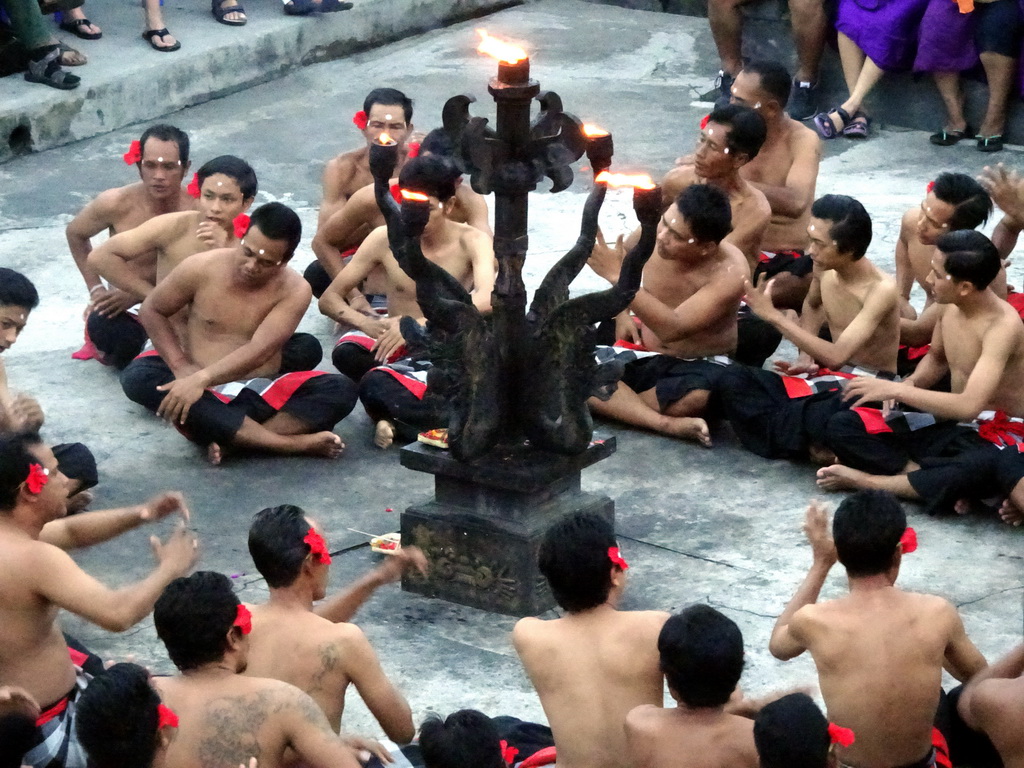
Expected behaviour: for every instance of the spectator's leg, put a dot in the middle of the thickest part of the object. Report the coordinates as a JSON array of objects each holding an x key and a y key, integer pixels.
[
  {"x": 852, "y": 59},
  {"x": 155, "y": 20},
  {"x": 727, "y": 28},
  {"x": 85, "y": 31},
  {"x": 1000, "y": 71},
  {"x": 809, "y": 30},
  {"x": 867, "y": 78},
  {"x": 948, "y": 84}
]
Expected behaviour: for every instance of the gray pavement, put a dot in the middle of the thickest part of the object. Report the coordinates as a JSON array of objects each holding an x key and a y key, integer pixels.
[{"x": 720, "y": 526}]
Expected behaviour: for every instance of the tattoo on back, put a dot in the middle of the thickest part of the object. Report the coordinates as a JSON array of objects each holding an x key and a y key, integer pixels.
[{"x": 330, "y": 659}]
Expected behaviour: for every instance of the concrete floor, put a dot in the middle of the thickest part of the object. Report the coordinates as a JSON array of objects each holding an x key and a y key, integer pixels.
[{"x": 719, "y": 526}]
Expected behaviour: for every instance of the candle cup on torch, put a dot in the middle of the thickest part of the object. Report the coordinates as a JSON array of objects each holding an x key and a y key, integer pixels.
[
  {"x": 599, "y": 148},
  {"x": 383, "y": 157},
  {"x": 415, "y": 212},
  {"x": 647, "y": 204}
]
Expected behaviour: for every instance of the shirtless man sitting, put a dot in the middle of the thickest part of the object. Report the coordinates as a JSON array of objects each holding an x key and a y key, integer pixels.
[
  {"x": 993, "y": 702},
  {"x": 786, "y": 171},
  {"x": 953, "y": 201},
  {"x": 360, "y": 215},
  {"x": 979, "y": 340},
  {"x": 462, "y": 250},
  {"x": 879, "y": 651},
  {"x": 225, "y": 717},
  {"x": 227, "y": 187},
  {"x": 595, "y": 664},
  {"x": 856, "y": 298},
  {"x": 692, "y": 287},
  {"x": 38, "y": 578},
  {"x": 162, "y": 161},
  {"x": 702, "y": 658},
  {"x": 732, "y": 138},
  {"x": 291, "y": 641},
  {"x": 243, "y": 305},
  {"x": 385, "y": 110}
]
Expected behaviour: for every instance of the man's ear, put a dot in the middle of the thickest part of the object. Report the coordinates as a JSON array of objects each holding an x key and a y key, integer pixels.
[{"x": 247, "y": 203}]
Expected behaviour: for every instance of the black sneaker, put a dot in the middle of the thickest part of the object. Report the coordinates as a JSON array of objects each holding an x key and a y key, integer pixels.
[
  {"x": 802, "y": 99},
  {"x": 722, "y": 91}
]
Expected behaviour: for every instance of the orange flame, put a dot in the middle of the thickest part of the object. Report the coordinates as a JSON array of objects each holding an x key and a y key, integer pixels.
[
  {"x": 636, "y": 180},
  {"x": 593, "y": 131},
  {"x": 385, "y": 139},
  {"x": 408, "y": 194},
  {"x": 499, "y": 49}
]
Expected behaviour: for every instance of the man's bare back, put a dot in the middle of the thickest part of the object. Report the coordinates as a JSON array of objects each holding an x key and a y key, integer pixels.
[
  {"x": 227, "y": 719},
  {"x": 590, "y": 669},
  {"x": 680, "y": 738}
]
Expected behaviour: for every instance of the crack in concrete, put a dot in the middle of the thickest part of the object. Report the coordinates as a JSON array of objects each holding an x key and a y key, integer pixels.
[
  {"x": 1019, "y": 587},
  {"x": 688, "y": 554},
  {"x": 723, "y": 606}
]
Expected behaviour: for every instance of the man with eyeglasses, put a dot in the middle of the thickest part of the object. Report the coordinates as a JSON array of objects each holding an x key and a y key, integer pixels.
[
  {"x": 162, "y": 159},
  {"x": 221, "y": 382}
]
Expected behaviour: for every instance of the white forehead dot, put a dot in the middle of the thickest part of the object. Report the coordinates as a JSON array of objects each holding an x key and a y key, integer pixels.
[
  {"x": 387, "y": 117},
  {"x": 220, "y": 183},
  {"x": 159, "y": 159},
  {"x": 725, "y": 151},
  {"x": 691, "y": 241},
  {"x": 811, "y": 227},
  {"x": 261, "y": 252}
]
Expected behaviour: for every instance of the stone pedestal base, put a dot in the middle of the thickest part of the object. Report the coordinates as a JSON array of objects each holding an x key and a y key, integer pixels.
[{"x": 482, "y": 529}]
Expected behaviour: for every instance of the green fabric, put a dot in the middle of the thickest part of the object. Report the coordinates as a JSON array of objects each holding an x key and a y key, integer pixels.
[{"x": 28, "y": 22}]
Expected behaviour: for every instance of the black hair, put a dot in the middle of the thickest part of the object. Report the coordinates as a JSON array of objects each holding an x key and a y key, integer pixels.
[
  {"x": 16, "y": 290},
  {"x": 707, "y": 211},
  {"x": 850, "y": 223},
  {"x": 278, "y": 222},
  {"x": 276, "y": 543},
  {"x": 747, "y": 129},
  {"x": 15, "y": 461},
  {"x": 972, "y": 205},
  {"x": 193, "y": 617},
  {"x": 701, "y": 653},
  {"x": 233, "y": 167},
  {"x": 775, "y": 79},
  {"x": 867, "y": 527},
  {"x": 465, "y": 739},
  {"x": 574, "y": 559},
  {"x": 438, "y": 142},
  {"x": 116, "y": 718},
  {"x": 433, "y": 175},
  {"x": 792, "y": 733},
  {"x": 387, "y": 97},
  {"x": 164, "y": 132},
  {"x": 969, "y": 255}
]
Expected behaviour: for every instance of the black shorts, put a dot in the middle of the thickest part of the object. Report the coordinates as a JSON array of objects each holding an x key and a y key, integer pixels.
[
  {"x": 796, "y": 263},
  {"x": 672, "y": 378}
]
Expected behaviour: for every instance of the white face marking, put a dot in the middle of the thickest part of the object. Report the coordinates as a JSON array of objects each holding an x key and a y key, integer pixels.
[
  {"x": 725, "y": 151},
  {"x": 220, "y": 183},
  {"x": 21, "y": 317},
  {"x": 811, "y": 227},
  {"x": 387, "y": 117},
  {"x": 261, "y": 252},
  {"x": 691, "y": 241}
]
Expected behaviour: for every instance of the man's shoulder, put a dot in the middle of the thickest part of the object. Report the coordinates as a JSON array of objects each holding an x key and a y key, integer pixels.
[
  {"x": 117, "y": 198},
  {"x": 802, "y": 137}
]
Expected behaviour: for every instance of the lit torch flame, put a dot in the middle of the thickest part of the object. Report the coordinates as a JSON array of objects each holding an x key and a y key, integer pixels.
[
  {"x": 593, "y": 131},
  {"x": 499, "y": 49},
  {"x": 385, "y": 139},
  {"x": 636, "y": 180},
  {"x": 408, "y": 194}
]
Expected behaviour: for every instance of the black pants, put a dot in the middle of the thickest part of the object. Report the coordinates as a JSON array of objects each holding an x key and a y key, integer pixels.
[
  {"x": 321, "y": 402},
  {"x": 317, "y": 278},
  {"x": 384, "y": 397},
  {"x": 353, "y": 360}
]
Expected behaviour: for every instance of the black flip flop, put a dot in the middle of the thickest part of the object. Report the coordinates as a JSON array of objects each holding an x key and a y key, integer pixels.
[
  {"x": 148, "y": 36},
  {"x": 74, "y": 26},
  {"x": 219, "y": 11},
  {"x": 946, "y": 138}
]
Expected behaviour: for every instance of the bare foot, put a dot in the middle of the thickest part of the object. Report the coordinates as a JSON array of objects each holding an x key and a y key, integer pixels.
[
  {"x": 821, "y": 456},
  {"x": 1011, "y": 514},
  {"x": 325, "y": 444},
  {"x": 78, "y": 502},
  {"x": 840, "y": 478},
  {"x": 384, "y": 434},
  {"x": 689, "y": 428},
  {"x": 214, "y": 454}
]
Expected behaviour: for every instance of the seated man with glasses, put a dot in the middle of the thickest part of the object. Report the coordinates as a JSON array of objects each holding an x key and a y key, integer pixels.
[{"x": 220, "y": 383}]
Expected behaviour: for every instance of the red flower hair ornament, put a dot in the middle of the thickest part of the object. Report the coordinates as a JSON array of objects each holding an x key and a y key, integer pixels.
[
  {"x": 616, "y": 558},
  {"x": 930, "y": 187},
  {"x": 704, "y": 122},
  {"x": 838, "y": 735},
  {"x": 193, "y": 186},
  {"x": 166, "y": 718},
  {"x": 243, "y": 619},
  {"x": 359, "y": 120},
  {"x": 414, "y": 149},
  {"x": 241, "y": 225},
  {"x": 908, "y": 541},
  {"x": 508, "y": 754},
  {"x": 134, "y": 153},
  {"x": 37, "y": 478},
  {"x": 317, "y": 547}
]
